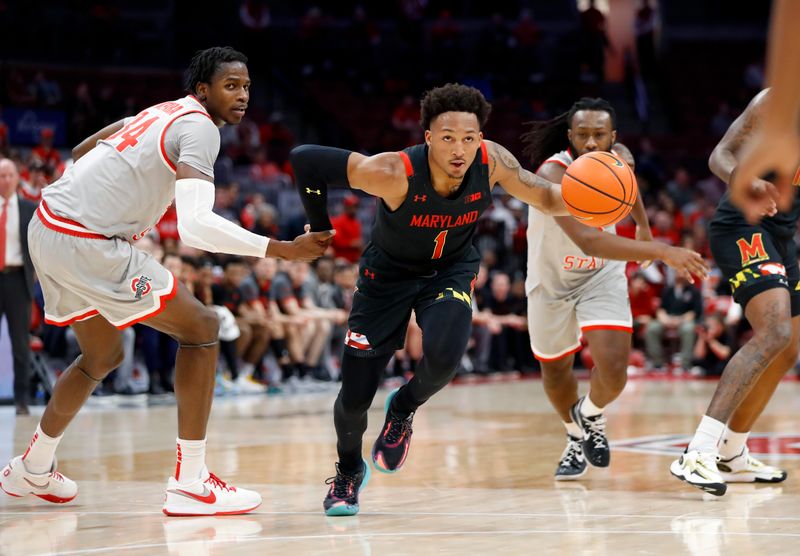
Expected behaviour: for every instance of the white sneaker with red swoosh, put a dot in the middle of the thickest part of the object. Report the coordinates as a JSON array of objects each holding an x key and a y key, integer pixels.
[
  {"x": 17, "y": 481},
  {"x": 208, "y": 495}
]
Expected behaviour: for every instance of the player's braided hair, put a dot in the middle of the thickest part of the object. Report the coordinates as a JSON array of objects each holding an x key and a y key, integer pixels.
[
  {"x": 205, "y": 64},
  {"x": 545, "y": 138},
  {"x": 453, "y": 97}
]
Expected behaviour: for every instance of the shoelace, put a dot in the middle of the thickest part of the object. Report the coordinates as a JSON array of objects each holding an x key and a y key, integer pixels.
[
  {"x": 571, "y": 452},
  {"x": 216, "y": 481},
  {"x": 344, "y": 484},
  {"x": 597, "y": 431},
  {"x": 399, "y": 428}
]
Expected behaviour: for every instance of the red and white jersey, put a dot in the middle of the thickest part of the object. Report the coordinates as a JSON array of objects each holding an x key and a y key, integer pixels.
[
  {"x": 124, "y": 185},
  {"x": 555, "y": 262}
]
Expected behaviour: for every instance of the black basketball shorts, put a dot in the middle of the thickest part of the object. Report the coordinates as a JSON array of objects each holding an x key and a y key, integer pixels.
[
  {"x": 753, "y": 260},
  {"x": 386, "y": 293}
]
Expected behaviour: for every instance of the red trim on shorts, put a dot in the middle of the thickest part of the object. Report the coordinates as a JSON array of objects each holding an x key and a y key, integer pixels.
[
  {"x": 43, "y": 212},
  {"x": 88, "y": 314},
  {"x": 627, "y": 329},
  {"x": 562, "y": 356},
  {"x": 484, "y": 154},
  {"x": 161, "y": 306},
  {"x": 356, "y": 345},
  {"x": 407, "y": 164},
  {"x": 164, "y": 134}
]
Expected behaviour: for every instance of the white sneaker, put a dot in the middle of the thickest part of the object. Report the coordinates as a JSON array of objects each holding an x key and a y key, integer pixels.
[
  {"x": 246, "y": 385},
  {"x": 744, "y": 468},
  {"x": 699, "y": 469},
  {"x": 208, "y": 495},
  {"x": 17, "y": 481}
]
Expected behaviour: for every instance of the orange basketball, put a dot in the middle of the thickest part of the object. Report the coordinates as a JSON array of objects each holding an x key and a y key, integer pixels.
[{"x": 599, "y": 189}]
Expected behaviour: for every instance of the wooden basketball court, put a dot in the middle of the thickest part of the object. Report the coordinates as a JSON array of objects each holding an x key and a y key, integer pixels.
[{"x": 478, "y": 480}]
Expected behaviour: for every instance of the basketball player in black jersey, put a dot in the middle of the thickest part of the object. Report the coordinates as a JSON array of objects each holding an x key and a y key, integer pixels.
[
  {"x": 760, "y": 263},
  {"x": 421, "y": 258}
]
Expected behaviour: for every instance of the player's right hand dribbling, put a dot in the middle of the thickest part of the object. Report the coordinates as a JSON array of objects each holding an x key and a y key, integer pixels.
[{"x": 686, "y": 262}]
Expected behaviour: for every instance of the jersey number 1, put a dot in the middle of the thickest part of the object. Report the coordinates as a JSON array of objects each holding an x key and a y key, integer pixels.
[
  {"x": 131, "y": 132},
  {"x": 439, "y": 241}
]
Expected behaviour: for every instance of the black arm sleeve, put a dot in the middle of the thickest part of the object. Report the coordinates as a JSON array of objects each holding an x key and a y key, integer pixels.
[{"x": 315, "y": 168}]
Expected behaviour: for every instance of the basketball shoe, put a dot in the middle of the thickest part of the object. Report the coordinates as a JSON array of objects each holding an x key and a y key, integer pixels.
[
  {"x": 17, "y": 481},
  {"x": 699, "y": 469},
  {"x": 342, "y": 498},
  {"x": 391, "y": 448},
  {"x": 595, "y": 443},
  {"x": 573, "y": 462},
  {"x": 744, "y": 468},
  {"x": 208, "y": 495}
]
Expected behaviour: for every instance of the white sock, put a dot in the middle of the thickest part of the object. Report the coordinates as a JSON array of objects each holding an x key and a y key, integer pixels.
[
  {"x": 573, "y": 430},
  {"x": 41, "y": 452},
  {"x": 588, "y": 409},
  {"x": 246, "y": 370},
  {"x": 732, "y": 443},
  {"x": 707, "y": 435},
  {"x": 191, "y": 460}
]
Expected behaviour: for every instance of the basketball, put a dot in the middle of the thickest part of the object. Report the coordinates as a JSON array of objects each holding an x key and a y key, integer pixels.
[{"x": 599, "y": 189}]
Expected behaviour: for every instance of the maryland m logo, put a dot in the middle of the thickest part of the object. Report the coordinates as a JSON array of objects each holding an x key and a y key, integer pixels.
[{"x": 752, "y": 251}]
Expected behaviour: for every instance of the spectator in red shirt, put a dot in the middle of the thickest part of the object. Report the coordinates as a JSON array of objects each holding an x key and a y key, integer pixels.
[
  {"x": 38, "y": 180},
  {"x": 347, "y": 243},
  {"x": 45, "y": 151}
]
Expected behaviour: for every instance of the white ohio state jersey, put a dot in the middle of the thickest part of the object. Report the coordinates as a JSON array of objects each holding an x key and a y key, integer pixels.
[
  {"x": 555, "y": 262},
  {"x": 123, "y": 186}
]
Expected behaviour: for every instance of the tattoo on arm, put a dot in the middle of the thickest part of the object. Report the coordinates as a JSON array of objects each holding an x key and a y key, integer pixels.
[
  {"x": 510, "y": 162},
  {"x": 494, "y": 167},
  {"x": 743, "y": 127}
]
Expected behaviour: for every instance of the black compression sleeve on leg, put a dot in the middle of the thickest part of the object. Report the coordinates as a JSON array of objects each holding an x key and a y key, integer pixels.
[
  {"x": 315, "y": 168},
  {"x": 360, "y": 379},
  {"x": 446, "y": 328}
]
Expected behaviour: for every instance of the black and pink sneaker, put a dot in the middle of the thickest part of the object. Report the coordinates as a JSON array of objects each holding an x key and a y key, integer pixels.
[
  {"x": 391, "y": 448},
  {"x": 342, "y": 498}
]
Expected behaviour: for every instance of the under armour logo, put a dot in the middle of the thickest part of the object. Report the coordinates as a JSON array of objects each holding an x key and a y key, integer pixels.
[
  {"x": 420, "y": 198},
  {"x": 310, "y": 191},
  {"x": 368, "y": 274}
]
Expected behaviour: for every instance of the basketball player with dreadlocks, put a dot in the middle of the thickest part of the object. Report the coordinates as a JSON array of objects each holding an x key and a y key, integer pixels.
[
  {"x": 94, "y": 279},
  {"x": 421, "y": 258},
  {"x": 576, "y": 285}
]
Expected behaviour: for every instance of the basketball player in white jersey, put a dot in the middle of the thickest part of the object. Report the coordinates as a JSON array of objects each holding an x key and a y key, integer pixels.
[
  {"x": 95, "y": 280},
  {"x": 573, "y": 288}
]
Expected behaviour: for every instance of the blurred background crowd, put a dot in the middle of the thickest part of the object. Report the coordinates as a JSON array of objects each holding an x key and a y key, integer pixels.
[{"x": 351, "y": 75}]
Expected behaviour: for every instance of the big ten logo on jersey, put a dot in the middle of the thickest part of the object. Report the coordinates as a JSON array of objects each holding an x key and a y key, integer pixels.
[
  {"x": 574, "y": 262},
  {"x": 472, "y": 198},
  {"x": 752, "y": 251}
]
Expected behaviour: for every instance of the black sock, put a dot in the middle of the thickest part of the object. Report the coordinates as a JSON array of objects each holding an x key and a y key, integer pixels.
[{"x": 279, "y": 348}]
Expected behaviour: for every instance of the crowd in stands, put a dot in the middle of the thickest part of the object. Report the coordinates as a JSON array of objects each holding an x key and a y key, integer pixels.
[{"x": 283, "y": 323}]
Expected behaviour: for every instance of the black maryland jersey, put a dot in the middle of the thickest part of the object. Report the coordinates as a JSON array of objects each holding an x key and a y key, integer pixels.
[
  {"x": 429, "y": 231},
  {"x": 783, "y": 224}
]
